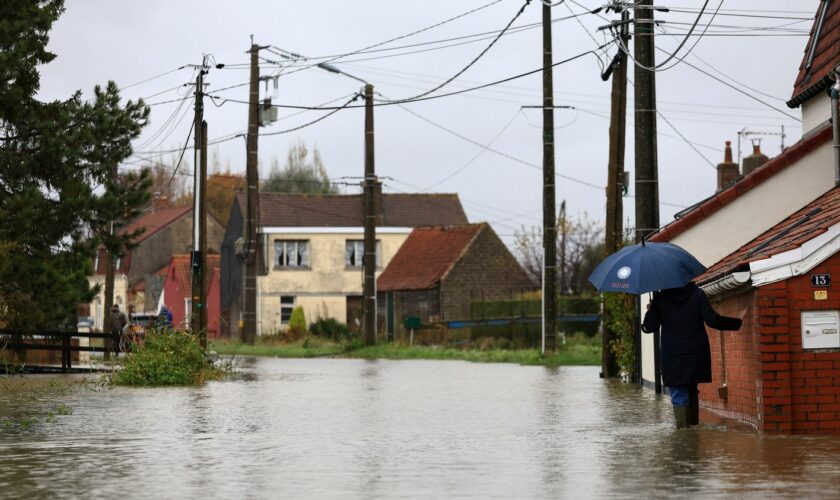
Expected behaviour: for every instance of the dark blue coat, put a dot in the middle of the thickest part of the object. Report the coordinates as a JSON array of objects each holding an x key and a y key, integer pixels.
[{"x": 681, "y": 312}]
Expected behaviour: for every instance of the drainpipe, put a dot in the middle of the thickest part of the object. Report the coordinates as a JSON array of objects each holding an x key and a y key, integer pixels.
[{"x": 835, "y": 121}]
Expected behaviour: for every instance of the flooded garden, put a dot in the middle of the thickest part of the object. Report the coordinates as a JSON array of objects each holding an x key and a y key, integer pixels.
[{"x": 350, "y": 428}]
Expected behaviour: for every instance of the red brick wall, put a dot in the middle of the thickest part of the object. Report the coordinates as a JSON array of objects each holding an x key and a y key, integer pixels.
[
  {"x": 740, "y": 370},
  {"x": 793, "y": 391},
  {"x": 814, "y": 375}
]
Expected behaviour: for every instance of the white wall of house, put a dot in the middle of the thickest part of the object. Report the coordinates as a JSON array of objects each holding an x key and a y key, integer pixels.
[
  {"x": 753, "y": 213},
  {"x": 815, "y": 111},
  {"x": 323, "y": 286},
  {"x": 97, "y": 306}
]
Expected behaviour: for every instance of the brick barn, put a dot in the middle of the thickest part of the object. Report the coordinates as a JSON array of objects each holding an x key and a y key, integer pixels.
[
  {"x": 782, "y": 369},
  {"x": 439, "y": 271}
]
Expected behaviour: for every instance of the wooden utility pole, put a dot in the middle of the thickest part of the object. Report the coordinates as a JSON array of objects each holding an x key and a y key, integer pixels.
[
  {"x": 549, "y": 291},
  {"x": 647, "y": 170},
  {"x": 249, "y": 310},
  {"x": 198, "y": 314},
  {"x": 369, "y": 261},
  {"x": 614, "y": 232}
]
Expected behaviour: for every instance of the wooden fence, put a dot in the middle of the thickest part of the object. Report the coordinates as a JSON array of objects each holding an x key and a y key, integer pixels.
[{"x": 17, "y": 343}]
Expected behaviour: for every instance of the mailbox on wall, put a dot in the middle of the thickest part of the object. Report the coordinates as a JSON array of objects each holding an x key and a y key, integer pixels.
[{"x": 821, "y": 329}]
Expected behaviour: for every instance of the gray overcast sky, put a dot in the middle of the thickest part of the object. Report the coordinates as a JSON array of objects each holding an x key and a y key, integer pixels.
[{"x": 130, "y": 41}]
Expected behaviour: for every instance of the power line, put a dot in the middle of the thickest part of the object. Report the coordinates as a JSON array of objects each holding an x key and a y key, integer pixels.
[
  {"x": 153, "y": 78},
  {"x": 313, "y": 122},
  {"x": 471, "y": 63},
  {"x": 437, "y": 96},
  {"x": 713, "y": 77},
  {"x": 477, "y": 155},
  {"x": 417, "y": 32}
]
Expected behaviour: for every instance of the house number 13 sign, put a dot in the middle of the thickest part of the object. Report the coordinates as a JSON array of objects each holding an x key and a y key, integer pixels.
[{"x": 820, "y": 280}]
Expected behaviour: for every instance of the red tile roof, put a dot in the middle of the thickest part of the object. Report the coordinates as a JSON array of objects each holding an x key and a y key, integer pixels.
[
  {"x": 398, "y": 210},
  {"x": 154, "y": 221},
  {"x": 826, "y": 55},
  {"x": 804, "y": 225},
  {"x": 182, "y": 266},
  {"x": 426, "y": 256},
  {"x": 711, "y": 205}
]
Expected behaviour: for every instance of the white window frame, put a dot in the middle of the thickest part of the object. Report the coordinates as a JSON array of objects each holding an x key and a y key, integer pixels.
[
  {"x": 287, "y": 303},
  {"x": 359, "y": 250},
  {"x": 283, "y": 248}
]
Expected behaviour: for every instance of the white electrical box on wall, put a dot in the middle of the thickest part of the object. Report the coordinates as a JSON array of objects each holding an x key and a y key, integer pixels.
[{"x": 821, "y": 329}]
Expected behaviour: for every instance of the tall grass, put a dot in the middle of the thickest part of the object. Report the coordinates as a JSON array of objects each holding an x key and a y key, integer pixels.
[{"x": 578, "y": 350}]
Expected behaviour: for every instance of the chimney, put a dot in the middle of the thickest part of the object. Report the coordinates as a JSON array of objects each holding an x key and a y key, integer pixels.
[
  {"x": 728, "y": 170},
  {"x": 159, "y": 202},
  {"x": 756, "y": 159}
]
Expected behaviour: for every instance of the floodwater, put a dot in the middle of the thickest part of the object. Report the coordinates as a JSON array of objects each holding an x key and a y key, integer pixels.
[{"x": 340, "y": 428}]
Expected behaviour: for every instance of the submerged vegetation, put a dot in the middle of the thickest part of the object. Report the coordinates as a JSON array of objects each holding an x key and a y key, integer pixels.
[{"x": 167, "y": 357}]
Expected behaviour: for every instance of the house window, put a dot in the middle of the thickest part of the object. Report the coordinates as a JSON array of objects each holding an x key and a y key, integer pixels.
[
  {"x": 117, "y": 265},
  {"x": 354, "y": 252},
  {"x": 291, "y": 253},
  {"x": 96, "y": 263},
  {"x": 287, "y": 305}
]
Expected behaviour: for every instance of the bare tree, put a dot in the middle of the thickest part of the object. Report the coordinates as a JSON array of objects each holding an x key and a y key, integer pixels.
[{"x": 584, "y": 249}]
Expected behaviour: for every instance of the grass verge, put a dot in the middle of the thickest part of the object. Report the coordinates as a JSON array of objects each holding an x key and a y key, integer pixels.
[{"x": 579, "y": 350}]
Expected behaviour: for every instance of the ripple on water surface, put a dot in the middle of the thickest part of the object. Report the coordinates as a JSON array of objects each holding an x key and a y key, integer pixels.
[{"x": 373, "y": 429}]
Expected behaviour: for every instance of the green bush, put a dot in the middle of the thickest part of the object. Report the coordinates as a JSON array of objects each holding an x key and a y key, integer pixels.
[
  {"x": 166, "y": 358},
  {"x": 297, "y": 323},
  {"x": 621, "y": 319},
  {"x": 329, "y": 328}
]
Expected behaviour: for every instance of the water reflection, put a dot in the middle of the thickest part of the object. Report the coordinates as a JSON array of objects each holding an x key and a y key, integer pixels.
[{"x": 382, "y": 429}]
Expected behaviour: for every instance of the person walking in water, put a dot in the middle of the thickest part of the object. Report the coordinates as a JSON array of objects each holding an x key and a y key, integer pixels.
[
  {"x": 686, "y": 357},
  {"x": 117, "y": 322}
]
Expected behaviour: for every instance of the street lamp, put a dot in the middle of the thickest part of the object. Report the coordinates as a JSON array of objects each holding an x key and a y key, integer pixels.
[{"x": 369, "y": 261}]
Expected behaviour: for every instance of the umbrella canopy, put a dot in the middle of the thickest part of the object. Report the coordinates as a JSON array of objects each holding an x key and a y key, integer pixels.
[{"x": 644, "y": 268}]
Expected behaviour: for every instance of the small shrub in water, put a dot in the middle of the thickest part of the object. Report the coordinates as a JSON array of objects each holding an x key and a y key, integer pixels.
[
  {"x": 166, "y": 358},
  {"x": 329, "y": 328}
]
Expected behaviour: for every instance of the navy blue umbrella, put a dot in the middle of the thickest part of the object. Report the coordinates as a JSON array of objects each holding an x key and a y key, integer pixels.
[{"x": 644, "y": 268}]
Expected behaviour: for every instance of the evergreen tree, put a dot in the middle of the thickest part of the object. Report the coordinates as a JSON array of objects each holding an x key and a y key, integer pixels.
[{"x": 57, "y": 183}]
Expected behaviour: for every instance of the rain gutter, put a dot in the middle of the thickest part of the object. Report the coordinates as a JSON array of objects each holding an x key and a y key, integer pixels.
[{"x": 727, "y": 283}]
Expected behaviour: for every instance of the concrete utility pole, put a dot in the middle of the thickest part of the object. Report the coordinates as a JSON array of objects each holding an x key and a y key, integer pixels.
[
  {"x": 249, "y": 310},
  {"x": 614, "y": 226},
  {"x": 647, "y": 170},
  {"x": 109, "y": 279},
  {"x": 198, "y": 315},
  {"x": 369, "y": 206},
  {"x": 370, "y": 224},
  {"x": 549, "y": 292}
]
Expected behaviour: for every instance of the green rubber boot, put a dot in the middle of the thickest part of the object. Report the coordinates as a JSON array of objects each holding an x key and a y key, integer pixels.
[
  {"x": 681, "y": 416},
  {"x": 694, "y": 408}
]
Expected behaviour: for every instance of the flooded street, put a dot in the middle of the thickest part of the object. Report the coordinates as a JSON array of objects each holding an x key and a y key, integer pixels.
[{"x": 340, "y": 428}]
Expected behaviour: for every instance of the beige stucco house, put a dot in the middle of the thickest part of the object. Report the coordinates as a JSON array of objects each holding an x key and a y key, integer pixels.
[
  {"x": 761, "y": 197},
  {"x": 310, "y": 249}
]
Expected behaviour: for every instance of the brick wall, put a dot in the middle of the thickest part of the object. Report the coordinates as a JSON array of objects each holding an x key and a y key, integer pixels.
[
  {"x": 739, "y": 370},
  {"x": 488, "y": 268},
  {"x": 796, "y": 391}
]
